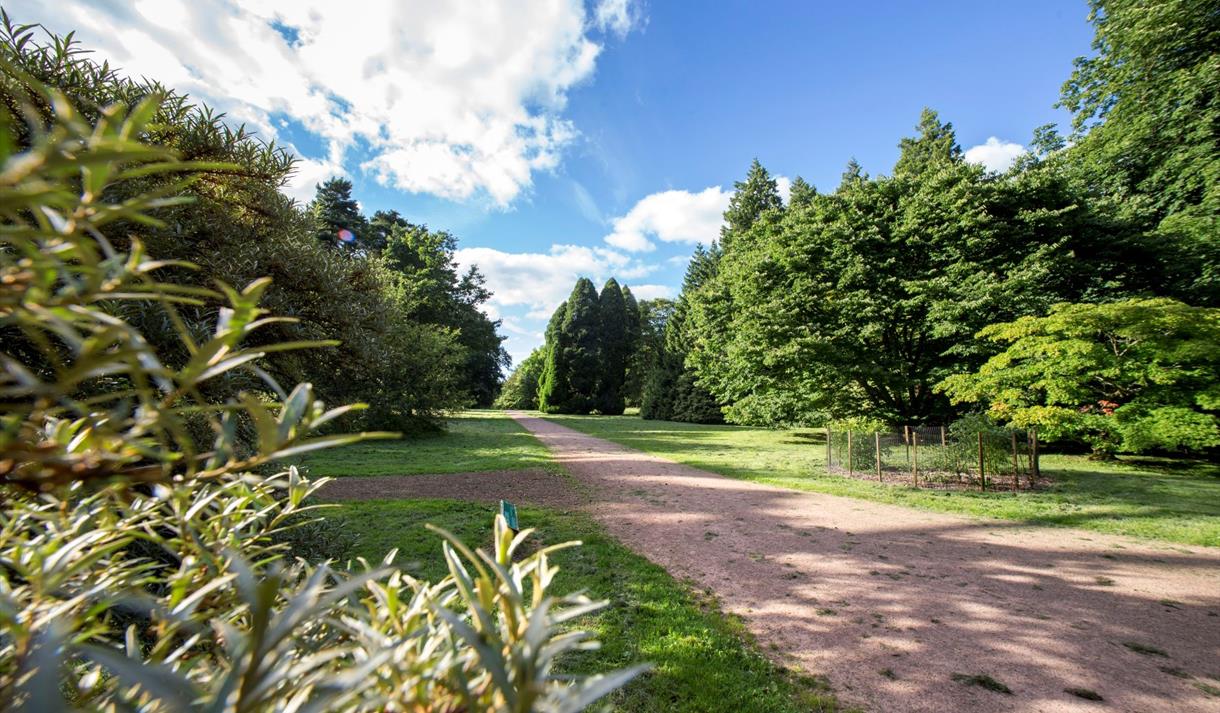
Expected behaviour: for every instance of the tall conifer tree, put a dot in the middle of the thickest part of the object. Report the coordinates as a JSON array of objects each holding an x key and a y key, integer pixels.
[
  {"x": 614, "y": 332},
  {"x": 553, "y": 388},
  {"x": 334, "y": 211},
  {"x": 572, "y": 372}
]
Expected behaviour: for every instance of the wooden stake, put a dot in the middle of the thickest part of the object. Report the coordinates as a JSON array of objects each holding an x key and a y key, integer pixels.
[
  {"x": 877, "y": 439},
  {"x": 982, "y": 475},
  {"x": 849, "y": 458},
  {"x": 1034, "y": 466},
  {"x": 829, "y": 459},
  {"x": 915, "y": 460},
  {"x": 1016, "y": 465}
]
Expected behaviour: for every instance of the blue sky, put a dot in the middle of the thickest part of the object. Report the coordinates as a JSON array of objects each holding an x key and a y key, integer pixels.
[{"x": 556, "y": 138}]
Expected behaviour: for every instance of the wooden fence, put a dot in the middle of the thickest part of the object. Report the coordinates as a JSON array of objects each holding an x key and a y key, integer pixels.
[{"x": 937, "y": 457}]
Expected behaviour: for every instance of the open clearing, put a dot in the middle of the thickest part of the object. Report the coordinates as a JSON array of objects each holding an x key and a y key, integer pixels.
[
  {"x": 1166, "y": 499},
  {"x": 909, "y": 610},
  {"x": 703, "y": 660}
]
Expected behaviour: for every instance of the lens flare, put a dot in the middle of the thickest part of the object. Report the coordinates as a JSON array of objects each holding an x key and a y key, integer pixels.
[{"x": 346, "y": 235}]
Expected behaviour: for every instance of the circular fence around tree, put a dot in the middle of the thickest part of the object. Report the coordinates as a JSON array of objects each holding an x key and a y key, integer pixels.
[{"x": 962, "y": 455}]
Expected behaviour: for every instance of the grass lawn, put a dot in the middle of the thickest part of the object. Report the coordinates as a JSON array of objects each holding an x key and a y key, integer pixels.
[
  {"x": 702, "y": 660},
  {"x": 472, "y": 441},
  {"x": 1174, "y": 500}
]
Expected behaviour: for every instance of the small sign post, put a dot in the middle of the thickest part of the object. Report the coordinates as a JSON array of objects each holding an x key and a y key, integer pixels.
[{"x": 509, "y": 511}]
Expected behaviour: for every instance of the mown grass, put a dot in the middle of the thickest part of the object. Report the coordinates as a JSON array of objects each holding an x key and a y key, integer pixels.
[
  {"x": 703, "y": 660},
  {"x": 1166, "y": 499},
  {"x": 472, "y": 441}
]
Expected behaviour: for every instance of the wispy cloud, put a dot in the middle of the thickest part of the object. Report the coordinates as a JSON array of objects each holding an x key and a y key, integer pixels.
[{"x": 540, "y": 281}]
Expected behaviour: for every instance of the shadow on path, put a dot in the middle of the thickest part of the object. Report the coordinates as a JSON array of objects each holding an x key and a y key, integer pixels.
[{"x": 891, "y": 602}]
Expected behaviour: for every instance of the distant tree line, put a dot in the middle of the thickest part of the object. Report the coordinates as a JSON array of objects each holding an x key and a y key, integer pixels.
[
  {"x": 598, "y": 347},
  {"x": 412, "y": 342},
  {"x": 1075, "y": 292}
]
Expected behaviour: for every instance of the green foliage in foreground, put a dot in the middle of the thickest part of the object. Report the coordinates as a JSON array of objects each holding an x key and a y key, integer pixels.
[
  {"x": 472, "y": 441},
  {"x": 702, "y": 661},
  {"x": 1168, "y": 499},
  {"x": 238, "y": 227},
  {"x": 1131, "y": 376},
  {"x": 141, "y": 570}
]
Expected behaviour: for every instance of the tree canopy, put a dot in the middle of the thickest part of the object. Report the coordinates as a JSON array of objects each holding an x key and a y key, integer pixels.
[{"x": 1132, "y": 375}]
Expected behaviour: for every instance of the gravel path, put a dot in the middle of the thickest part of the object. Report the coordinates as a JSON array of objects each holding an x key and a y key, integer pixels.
[{"x": 890, "y": 603}]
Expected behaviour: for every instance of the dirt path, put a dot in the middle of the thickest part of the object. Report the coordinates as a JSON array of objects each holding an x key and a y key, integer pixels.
[{"x": 891, "y": 602}]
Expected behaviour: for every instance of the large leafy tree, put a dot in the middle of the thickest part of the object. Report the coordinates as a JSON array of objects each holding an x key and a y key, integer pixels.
[
  {"x": 520, "y": 390},
  {"x": 435, "y": 293},
  {"x": 860, "y": 301},
  {"x": 1132, "y": 375},
  {"x": 615, "y": 332},
  {"x": 1146, "y": 111}
]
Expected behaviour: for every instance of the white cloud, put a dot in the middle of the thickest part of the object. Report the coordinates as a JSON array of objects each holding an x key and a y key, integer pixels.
[
  {"x": 462, "y": 100},
  {"x": 651, "y": 292},
  {"x": 677, "y": 217},
  {"x": 540, "y": 281},
  {"x": 617, "y": 16},
  {"x": 671, "y": 216},
  {"x": 308, "y": 174},
  {"x": 784, "y": 184},
  {"x": 994, "y": 154}
]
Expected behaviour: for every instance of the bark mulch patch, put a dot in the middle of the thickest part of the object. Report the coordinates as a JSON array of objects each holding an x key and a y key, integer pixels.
[{"x": 531, "y": 486}]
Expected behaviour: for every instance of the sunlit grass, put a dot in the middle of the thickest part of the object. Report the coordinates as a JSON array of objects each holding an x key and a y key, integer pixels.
[
  {"x": 471, "y": 442},
  {"x": 1168, "y": 499},
  {"x": 703, "y": 660}
]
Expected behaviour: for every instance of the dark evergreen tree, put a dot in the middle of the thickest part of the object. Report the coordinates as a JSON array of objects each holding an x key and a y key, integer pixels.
[
  {"x": 380, "y": 227},
  {"x": 337, "y": 215},
  {"x": 615, "y": 342},
  {"x": 800, "y": 194},
  {"x": 753, "y": 197},
  {"x": 670, "y": 391},
  {"x": 570, "y": 381},
  {"x": 934, "y": 145},
  {"x": 435, "y": 294},
  {"x": 553, "y": 387},
  {"x": 632, "y": 376}
]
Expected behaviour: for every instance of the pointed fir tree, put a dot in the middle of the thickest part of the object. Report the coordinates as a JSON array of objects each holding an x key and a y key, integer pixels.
[
  {"x": 335, "y": 211},
  {"x": 635, "y": 327},
  {"x": 614, "y": 329},
  {"x": 553, "y": 388},
  {"x": 853, "y": 173},
  {"x": 670, "y": 391},
  {"x": 753, "y": 197},
  {"x": 573, "y": 358},
  {"x": 801, "y": 194},
  {"x": 935, "y": 145}
]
